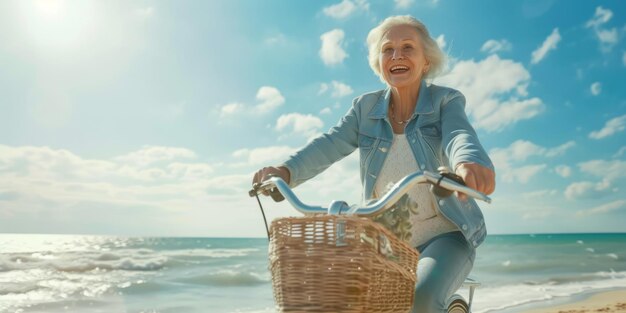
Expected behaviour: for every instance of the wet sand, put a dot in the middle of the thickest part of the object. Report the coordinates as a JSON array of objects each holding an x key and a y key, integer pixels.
[{"x": 606, "y": 302}]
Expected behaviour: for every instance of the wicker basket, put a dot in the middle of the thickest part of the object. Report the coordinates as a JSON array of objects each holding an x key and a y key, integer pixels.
[{"x": 327, "y": 263}]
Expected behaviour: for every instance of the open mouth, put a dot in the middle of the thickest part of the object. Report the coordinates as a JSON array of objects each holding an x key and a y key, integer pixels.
[{"x": 399, "y": 69}]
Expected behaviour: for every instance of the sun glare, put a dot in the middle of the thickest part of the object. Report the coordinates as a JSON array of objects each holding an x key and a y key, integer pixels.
[
  {"x": 57, "y": 25},
  {"x": 49, "y": 8}
]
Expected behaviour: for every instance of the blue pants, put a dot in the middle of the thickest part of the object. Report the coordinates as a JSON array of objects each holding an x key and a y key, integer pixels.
[{"x": 445, "y": 261}]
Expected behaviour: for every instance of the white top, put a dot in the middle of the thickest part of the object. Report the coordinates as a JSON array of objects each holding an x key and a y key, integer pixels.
[{"x": 415, "y": 218}]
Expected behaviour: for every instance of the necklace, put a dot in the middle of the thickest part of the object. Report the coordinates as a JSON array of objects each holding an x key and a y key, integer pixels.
[{"x": 393, "y": 117}]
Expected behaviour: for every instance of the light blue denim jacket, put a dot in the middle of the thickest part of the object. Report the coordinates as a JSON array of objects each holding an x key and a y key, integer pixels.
[{"x": 439, "y": 134}]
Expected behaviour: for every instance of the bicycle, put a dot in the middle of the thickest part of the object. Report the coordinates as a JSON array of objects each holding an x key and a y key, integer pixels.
[{"x": 363, "y": 266}]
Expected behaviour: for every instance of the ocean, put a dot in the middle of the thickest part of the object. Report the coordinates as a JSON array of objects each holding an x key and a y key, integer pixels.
[{"x": 66, "y": 273}]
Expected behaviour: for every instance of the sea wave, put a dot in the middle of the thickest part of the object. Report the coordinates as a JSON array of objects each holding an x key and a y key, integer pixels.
[
  {"x": 209, "y": 253},
  {"x": 228, "y": 278},
  {"x": 140, "y": 259},
  {"x": 7, "y": 288},
  {"x": 142, "y": 286},
  {"x": 127, "y": 264},
  {"x": 494, "y": 298},
  {"x": 80, "y": 263}
]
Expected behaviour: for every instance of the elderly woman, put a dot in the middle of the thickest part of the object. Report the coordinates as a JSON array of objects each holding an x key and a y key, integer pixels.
[{"x": 410, "y": 126}]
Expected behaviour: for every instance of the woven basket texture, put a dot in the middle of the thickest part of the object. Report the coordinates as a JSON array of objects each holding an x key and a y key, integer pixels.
[{"x": 315, "y": 269}]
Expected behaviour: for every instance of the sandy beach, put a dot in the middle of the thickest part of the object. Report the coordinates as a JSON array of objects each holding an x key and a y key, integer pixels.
[{"x": 606, "y": 302}]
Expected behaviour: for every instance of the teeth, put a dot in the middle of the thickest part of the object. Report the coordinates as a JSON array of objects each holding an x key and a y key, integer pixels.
[{"x": 399, "y": 67}]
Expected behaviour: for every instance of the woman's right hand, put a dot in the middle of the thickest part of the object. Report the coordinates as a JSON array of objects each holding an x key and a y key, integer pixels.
[{"x": 266, "y": 172}]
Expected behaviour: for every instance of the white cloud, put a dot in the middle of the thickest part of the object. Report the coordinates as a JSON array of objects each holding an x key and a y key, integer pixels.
[
  {"x": 345, "y": 8},
  {"x": 563, "y": 171},
  {"x": 54, "y": 164},
  {"x": 270, "y": 99},
  {"x": 618, "y": 205},
  {"x": 340, "y": 90},
  {"x": 560, "y": 150},
  {"x": 307, "y": 125},
  {"x": 549, "y": 44},
  {"x": 340, "y": 10},
  {"x": 56, "y": 191},
  {"x": 403, "y": 4},
  {"x": 495, "y": 90},
  {"x": 190, "y": 170},
  {"x": 276, "y": 40},
  {"x": 537, "y": 215},
  {"x": 441, "y": 41},
  {"x": 264, "y": 155},
  {"x": 520, "y": 150},
  {"x": 588, "y": 190},
  {"x": 323, "y": 88},
  {"x": 596, "y": 88},
  {"x": 600, "y": 17},
  {"x": 540, "y": 194},
  {"x": 613, "y": 126},
  {"x": 610, "y": 170},
  {"x": 509, "y": 112},
  {"x": 149, "y": 155},
  {"x": 331, "y": 51},
  {"x": 232, "y": 109},
  {"x": 607, "y": 37},
  {"x": 620, "y": 152},
  {"x": 522, "y": 174},
  {"x": 494, "y": 46},
  {"x": 325, "y": 110},
  {"x": 507, "y": 160},
  {"x": 63, "y": 177},
  {"x": 337, "y": 89}
]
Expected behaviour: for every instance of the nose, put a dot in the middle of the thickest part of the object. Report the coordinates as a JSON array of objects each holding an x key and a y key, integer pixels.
[{"x": 397, "y": 54}]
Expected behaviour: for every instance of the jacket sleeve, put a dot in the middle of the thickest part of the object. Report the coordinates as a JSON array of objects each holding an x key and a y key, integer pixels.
[
  {"x": 460, "y": 142},
  {"x": 323, "y": 151}
]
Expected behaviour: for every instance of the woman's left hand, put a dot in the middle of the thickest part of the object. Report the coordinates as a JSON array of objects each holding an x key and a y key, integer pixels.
[{"x": 476, "y": 177}]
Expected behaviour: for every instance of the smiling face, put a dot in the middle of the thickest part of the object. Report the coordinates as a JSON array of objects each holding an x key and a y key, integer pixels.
[{"x": 402, "y": 60}]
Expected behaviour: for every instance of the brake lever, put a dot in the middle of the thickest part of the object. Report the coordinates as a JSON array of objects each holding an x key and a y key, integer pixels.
[{"x": 274, "y": 192}]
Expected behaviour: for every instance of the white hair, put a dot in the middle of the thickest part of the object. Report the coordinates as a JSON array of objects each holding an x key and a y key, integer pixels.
[{"x": 432, "y": 52}]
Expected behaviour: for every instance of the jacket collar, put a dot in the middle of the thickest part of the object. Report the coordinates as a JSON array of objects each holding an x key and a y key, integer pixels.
[{"x": 424, "y": 103}]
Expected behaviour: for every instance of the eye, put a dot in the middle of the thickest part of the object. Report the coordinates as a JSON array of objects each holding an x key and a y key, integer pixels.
[
  {"x": 387, "y": 49},
  {"x": 407, "y": 47}
]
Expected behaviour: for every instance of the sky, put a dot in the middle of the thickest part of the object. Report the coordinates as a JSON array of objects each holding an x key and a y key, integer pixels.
[{"x": 148, "y": 118}]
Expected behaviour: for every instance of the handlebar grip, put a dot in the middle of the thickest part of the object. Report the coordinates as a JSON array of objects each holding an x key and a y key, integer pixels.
[
  {"x": 274, "y": 192},
  {"x": 443, "y": 192},
  {"x": 276, "y": 195}
]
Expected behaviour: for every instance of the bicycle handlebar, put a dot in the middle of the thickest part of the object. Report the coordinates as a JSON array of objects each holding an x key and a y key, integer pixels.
[{"x": 382, "y": 204}]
